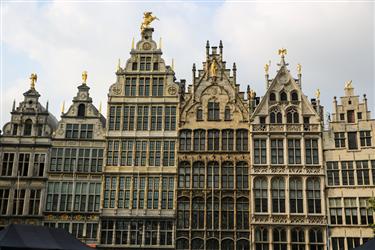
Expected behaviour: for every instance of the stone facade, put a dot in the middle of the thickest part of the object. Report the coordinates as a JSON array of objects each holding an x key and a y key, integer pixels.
[
  {"x": 203, "y": 166},
  {"x": 349, "y": 152}
]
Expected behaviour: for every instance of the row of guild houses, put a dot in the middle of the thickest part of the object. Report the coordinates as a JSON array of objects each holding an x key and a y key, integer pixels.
[{"x": 202, "y": 166}]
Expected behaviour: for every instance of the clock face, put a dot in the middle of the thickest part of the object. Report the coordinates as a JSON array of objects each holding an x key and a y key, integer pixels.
[
  {"x": 83, "y": 95},
  {"x": 146, "y": 46}
]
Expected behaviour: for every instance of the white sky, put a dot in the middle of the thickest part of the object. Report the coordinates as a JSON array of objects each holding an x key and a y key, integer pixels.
[{"x": 334, "y": 42}]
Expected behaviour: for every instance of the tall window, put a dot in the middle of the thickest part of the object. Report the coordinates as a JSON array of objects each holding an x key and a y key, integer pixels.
[
  {"x": 145, "y": 63},
  {"x": 333, "y": 175},
  {"x": 277, "y": 151},
  {"x": 365, "y": 138},
  {"x": 340, "y": 140},
  {"x": 283, "y": 96},
  {"x": 144, "y": 87},
  {"x": 127, "y": 153},
  {"x": 142, "y": 117},
  {"x": 242, "y": 179},
  {"x": 4, "y": 198},
  {"x": 213, "y": 174},
  {"x": 294, "y": 151},
  {"x": 38, "y": 166},
  {"x": 298, "y": 239},
  {"x": 335, "y": 211},
  {"x": 260, "y": 195},
  {"x": 241, "y": 140},
  {"x": 296, "y": 195},
  {"x": 168, "y": 153},
  {"x": 185, "y": 140},
  {"x": 198, "y": 174},
  {"x": 198, "y": 213},
  {"x": 114, "y": 117},
  {"x": 130, "y": 86},
  {"x": 213, "y": 139},
  {"x": 351, "y": 214},
  {"x": 366, "y": 212},
  {"x": 212, "y": 212},
  {"x": 140, "y": 153},
  {"x": 227, "y": 213},
  {"x": 156, "y": 118},
  {"x": 278, "y": 195},
  {"x": 107, "y": 232},
  {"x": 316, "y": 239},
  {"x": 292, "y": 116},
  {"x": 279, "y": 239},
  {"x": 242, "y": 213},
  {"x": 227, "y": 139},
  {"x": 294, "y": 96},
  {"x": 23, "y": 164},
  {"x": 312, "y": 152},
  {"x": 261, "y": 238},
  {"x": 227, "y": 115},
  {"x": 313, "y": 196},
  {"x": 338, "y": 243},
  {"x": 352, "y": 140},
  {"x": 183, "y": 213},
  {"x": 276, "y": 116},
  {"x": 199, "y": 139},
  {"x": 260, "y": 151},
  {"x": 362, "y": 173},
  {"x": 272, "y": 97},
  {"x": 18, "y": 201},
  {"x": 157, "y": 86},
  {"x": 153, "y": 192},
  {"x": 27, "y": 127},
  {"x": 352, "y": 242},
  {"x": 154, "y": 153},
  {"x": 213, "y": 111},
  {"x": 7, "y": 166},
  {"x": 81, "y": 110},
  {"x": 199, "y": 114},
  {"x": 350, "y": 116},
  {"x": 347, "y": 172},
  {"x": 170, "y": 118},
  {"x": 15, "y": 129},
  {"x": 227, "y": 178}
]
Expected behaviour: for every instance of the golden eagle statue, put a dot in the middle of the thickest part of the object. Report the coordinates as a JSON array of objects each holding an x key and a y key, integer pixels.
[{"x": 148, "y": 18}]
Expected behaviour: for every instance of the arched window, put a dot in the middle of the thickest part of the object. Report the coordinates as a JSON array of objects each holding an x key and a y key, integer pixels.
[
  {"x": 198, "y": 213},
  {"x": 199, "y": 114},
  {"x": 242, "y": 140},
  {"x": 242, "y": 176},
  {"x": 199, "y": 139},
  {"x": 81, "y": 110},
  {"x": 298, "y": 239},
  {"x": 213, "y": 174},
  {"x": 279, "y": 239},
  {"x": 197, "y": 244},
  {"x": 213, "y": 111},
  {"x": 184, "y": 175},
  {"x": 28, "y": 127},
  {"x": 316, "y": 239},
  {"x": 198, "y": 174},
  {"x": 227, "y": 139},
  {"x": 261, "y": 238},
  {"x": 260, "y": 195},
  {"x": 227, "y": 175},
  {"x": 313, "y": 196},
  {"x": 185, "y": 140},
  {"x": 227, "y": 214},
  {"x": 276, "y": 116},
  {"x": 227, "y": 116},
  {"x": 183, "y": 212},
  {"x": 213, "y": 139},
  {"x": 227, "y": 244},
  {"x": 292, "y": 116},
  {"x": 272, "y": 97},
  {"x": 182, "y": 244},
  {"x": 212, "y": 244},
  {"x": 278, "y": 195},
  {"x": 242, "y": 244},
  {"x": 242, "y": 213},
  {"x": 294, "y": 96},
  {"x": 283, "y": 96},
  {"x": 296, "y": 195},
  {"x": 212, "y": 213}
]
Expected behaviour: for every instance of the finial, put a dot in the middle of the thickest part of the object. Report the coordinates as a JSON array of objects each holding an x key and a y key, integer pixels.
[
  {"x": 84, "y": 77},
  {"x": 14, "y": 105},
  {"x": 234, "y": 66},
  {"x": 266, "y": 68},
  {"x": 33, "y": 78},
  {"x": 317, "y": 94},
  {"x": 172, "y": 64},
  {"x": 194, "y": 67},
  {"x": 133, "y": 43},
  {"x": 282, "y": 52},
  {"x": 119, "y": 64},
  {"x": 221, "y": 44},
  {"x": 148, "y": 18},
  {"x": 47, "y": 104},
  {"x": 207, "y": 44},
  {"x": 100, "y": 107},
  {"x": 63, "y": 107},
  {"x": 299, "y": 68},
  {"x": 160, "y": 43}
]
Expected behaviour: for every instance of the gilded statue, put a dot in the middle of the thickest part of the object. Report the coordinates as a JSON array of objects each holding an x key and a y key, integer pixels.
[
  {"x": 266, "y": 68},
  {"x": 299, "y": 68},
  {"x": 148, "y": 18},
  {"x": 282, "y": 52},
  {"x": 33, "y": 78},
  {"x": 251, "y": 94},
  {"x": 348, "y": 84},
  {"x": 317, "y": 94},
  {"x": 213, "y": 68},
  {"x": 84, "y": 76}
]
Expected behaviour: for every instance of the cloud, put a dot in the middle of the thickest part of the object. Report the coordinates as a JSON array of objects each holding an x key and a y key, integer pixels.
[{"x": 333, "y": 42}]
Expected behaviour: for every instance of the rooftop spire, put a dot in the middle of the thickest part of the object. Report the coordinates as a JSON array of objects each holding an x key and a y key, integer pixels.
[{"x": 160, "y": 43}]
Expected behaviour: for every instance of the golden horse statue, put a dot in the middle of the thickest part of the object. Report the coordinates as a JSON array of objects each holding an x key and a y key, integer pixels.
[{"x": 148, "y": 18}]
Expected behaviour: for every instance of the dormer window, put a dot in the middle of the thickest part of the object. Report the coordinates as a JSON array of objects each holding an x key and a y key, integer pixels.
[
  {"x": 28, "y": 127},
  {"x": 294, "y": 96},
  {"x": 272, "y": 97},
  {"x": 276, "y": 116},
  {"x": 350, "y": 116},
  {"x": 213, "y": 111},
  {"x": 199, "y": 114},
  {"x": 145, "y": 63},
  {"x": 134, "y": 66},
  {"x": 283, "y": 96},
  {"x": 227, "y": 114},
  {"x": 156, "y": 66},
  {"x": 292, "y": 116},
  {"x": 81, "y": 110}
]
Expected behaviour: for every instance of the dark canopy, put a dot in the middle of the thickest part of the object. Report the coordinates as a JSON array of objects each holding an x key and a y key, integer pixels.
[
  {"x": 369, "y": 245},
  {"x": 38, "y": 238}
]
